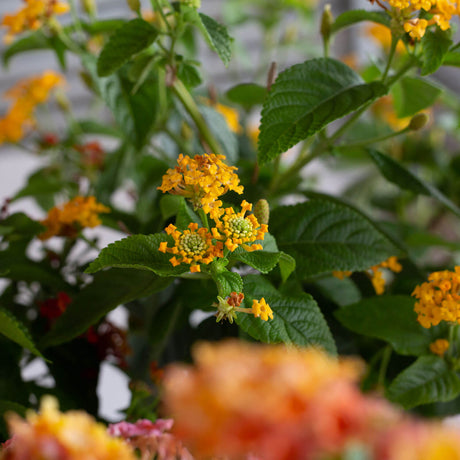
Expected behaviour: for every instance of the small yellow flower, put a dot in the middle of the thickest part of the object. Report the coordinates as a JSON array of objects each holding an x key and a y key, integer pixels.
[
  {"x": 32, "y": 16},
  {"x": 375, "y": 273},
  {"x": 193, "y": 246},
  {"x": 237, "y": 230},
  {"x": 439, "y": 347},
  {"x": 261, "y": 309},
  {"x": 74, "y": 435},
  {"x": 438, "y": 299},
  {"x": 69, "y": 219},
  {"x": 202, "y": 180}
]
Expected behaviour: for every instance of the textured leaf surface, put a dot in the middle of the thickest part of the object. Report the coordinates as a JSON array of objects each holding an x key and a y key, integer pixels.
[
  {"x": 296, "y": 319},
  {"x": 287, "y": 265},
  {"x": 264, "y": 260},
  {"x": 108, "y": 290},
  {"x": 217, "y": 37},
  {"x": 427, "y": 380},
  {"x": 228, "y": 282},
  {"x": 305, "y": 98},
  {"x": 353, "y": 17},
  {"x": 12, "y": 328},
  {"x": 323, "y": 236},
  {"x": 412, "y": 94},
  {"x": 389, "y": 318},
  {"x": 131, "y": 38},
  {"x": 435, "y": 45},
  {"x": 138, "y": 251},
  {"x": 402, "y": 177}
]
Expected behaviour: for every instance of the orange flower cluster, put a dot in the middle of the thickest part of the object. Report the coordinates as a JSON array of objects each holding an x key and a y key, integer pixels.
[
  {"x": 243, "y": 400},
  {"x": 32, "y": 16},
  {"x": 26, "y": 95},
  {"x": 438, "y": 299},
  {"x": 193, "y": 246},
  {"x": 375, "y": 273},
  {"x": 69, "y": 219},
  {"x": 202, "y": 180},
  {"x": 53, "y": 435},
  {"x": 440, "y": 11},
  {"x": 274, "y": 402}
]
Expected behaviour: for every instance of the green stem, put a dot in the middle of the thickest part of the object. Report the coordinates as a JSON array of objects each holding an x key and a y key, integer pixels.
[
  {"x": 394, "y": 43},
  {"x": 188, "y": 102},
  {"x": 384, "y": 366},
  {"x": 373, "y": 140},
  {"x": 204, "y": 218},
  {"x": 76, "y": 18},
  {"x": 156, "y": 6}
]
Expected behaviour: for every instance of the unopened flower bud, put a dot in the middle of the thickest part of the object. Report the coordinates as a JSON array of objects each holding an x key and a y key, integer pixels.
[
  {"x": 418, "y": 121},
  {"x": 262, "y": 211},
  {"x": 326, "y": 22},
  {"x": 89, "y": 7},
  {"x": 192, "y": 3},
  {"x": 62, "y": 101},
  {"x": 134, "y": 5}
]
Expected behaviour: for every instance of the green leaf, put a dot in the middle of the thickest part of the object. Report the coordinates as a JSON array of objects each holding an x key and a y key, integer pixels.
[
  {"x": 12, "y": 328},
  {"x": 263, "y": 260},
  {"x": 101, "y": 26},
  {"x": 287, "y": 265},
  {"x": 108, "y": 290},
  {"x": 452, "y": 58},
  {"x": 412, "y": 94},
  {"x": 131, "y": 38},
  {"x": 353, "y": 17},
  {"x": 217, "y": 37},
  {"x": 324, "y": 235},
  {"x": 138, "y": 251},
  {"x": 94, "y": 127},
  {"x": 221, "y": 131},
  {"x": 342, "y": 292},
  {"x": 307, "y": 97},
  {"x": 33, "y": 42},
  {"x": 186, "y": 216},
  {"x": 134, "y": 113},
  {"x": 427, "y": 380},
  {"x": 247, "y": 95},
  {"x": 170, "y": 205},
  {"x": 189, "y": 74},
  {"x": 22, "y": 225},
  {"x": 435, "y": 45},
  {"x": 389, "y": 318},
  {"x": 397, "y": 174},
  {"x": 296, "y": 319},
  {"x": 228, "y": 282}
]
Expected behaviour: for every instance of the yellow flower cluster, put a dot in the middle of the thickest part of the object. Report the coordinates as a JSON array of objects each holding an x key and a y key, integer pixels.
[
  {"x": 193, "y": 246},
  {"x": 438, "y": 299},
  {"x": 237, "y": 230},
  {"x": 26, "y": 95},
  {"x": 73, "y": 216},
  {"x": 375, "y": 273},
  {"x": 227, "y": 308},
  {"x": 440, "y": 11},
  {"x": 202, "y": 180},
  {"x": 54, "y": 435},
  {"x": 32, "y": 16}
]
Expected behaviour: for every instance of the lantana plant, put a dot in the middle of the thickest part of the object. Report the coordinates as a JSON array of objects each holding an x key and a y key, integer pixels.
[{"x": 221, "y": 227}]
